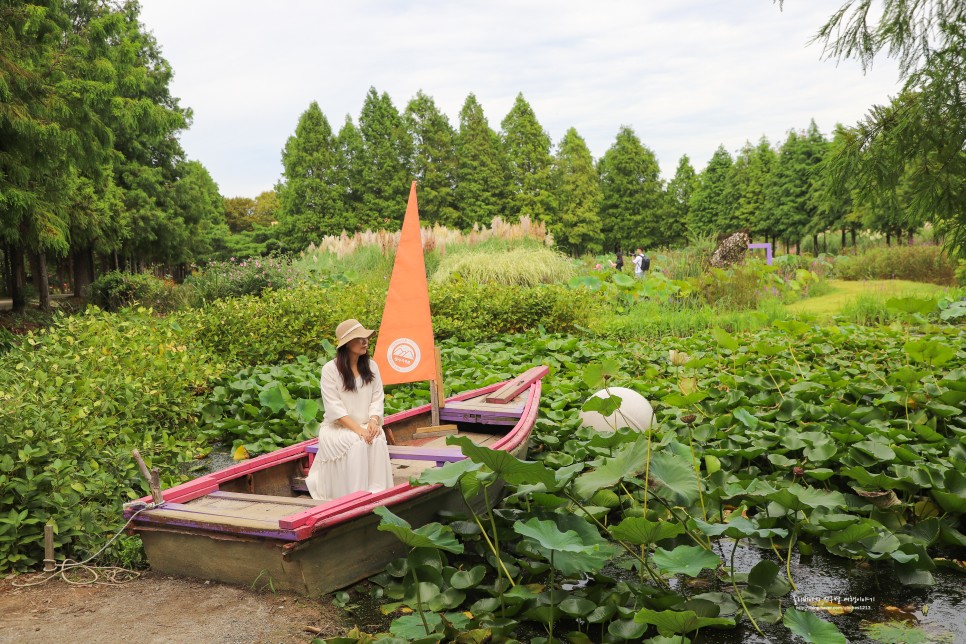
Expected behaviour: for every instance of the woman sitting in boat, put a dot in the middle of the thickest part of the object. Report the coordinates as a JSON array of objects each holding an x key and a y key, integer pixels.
[{"x": 353, "y": 453}]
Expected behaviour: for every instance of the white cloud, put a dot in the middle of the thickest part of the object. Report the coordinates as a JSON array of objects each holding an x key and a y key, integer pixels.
[{"x": 687, "y": 76}]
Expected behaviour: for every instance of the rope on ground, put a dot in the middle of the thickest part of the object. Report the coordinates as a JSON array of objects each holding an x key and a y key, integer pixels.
[{"x": 111, "y": 575}]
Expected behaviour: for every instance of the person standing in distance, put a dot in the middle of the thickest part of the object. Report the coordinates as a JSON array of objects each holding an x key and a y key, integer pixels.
[{"x": 640, "y": 263}]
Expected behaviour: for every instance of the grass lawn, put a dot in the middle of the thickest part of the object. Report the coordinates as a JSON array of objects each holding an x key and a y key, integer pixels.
[{"x": 845, "y": 292}]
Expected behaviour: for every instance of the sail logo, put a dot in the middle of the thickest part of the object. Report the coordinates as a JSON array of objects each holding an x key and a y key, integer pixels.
[{"x": 403, "y": 355}]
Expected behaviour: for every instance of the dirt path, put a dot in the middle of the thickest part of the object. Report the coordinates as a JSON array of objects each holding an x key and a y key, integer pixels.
[{"x": 155, "y": 609}]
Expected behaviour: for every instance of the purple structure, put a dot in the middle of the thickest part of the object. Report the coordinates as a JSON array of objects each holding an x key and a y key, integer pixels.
[{"x": 767, "y": 248}]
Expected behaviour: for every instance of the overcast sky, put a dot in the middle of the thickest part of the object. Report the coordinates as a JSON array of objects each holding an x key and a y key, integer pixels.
[{"x": 686, "y": 75}]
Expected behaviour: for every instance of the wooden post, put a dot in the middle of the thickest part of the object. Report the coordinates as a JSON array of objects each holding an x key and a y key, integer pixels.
[
  {"x": 153, "y": 478},
  {"x": 49, "y": 564},
  {"x": 434, "y": 399},
  {"x": 436, "y": 395},
  {"x": 438, "y": 401},
  {"x": 440, "y": 390}
]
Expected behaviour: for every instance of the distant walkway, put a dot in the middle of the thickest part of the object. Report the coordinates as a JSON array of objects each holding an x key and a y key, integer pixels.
[
  {"x": 845, "y": 292},
  {"x": 6, "y": 303}
]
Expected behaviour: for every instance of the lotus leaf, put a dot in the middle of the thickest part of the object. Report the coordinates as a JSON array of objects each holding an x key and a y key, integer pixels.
[
  {"x": 811, "y": 628},
  {"x": 511, "y": 469},
  {"x": 577, "y": 606},
  {"x": 766, "y": 576},
  {"x": 464, "y": 579},
  {"x": 669, "y": 622},
  {"x": 952, "y": 498},
  {"x": 640, "y": 531},
  {"x": 798, "y": 497},
  {"x": 724, "y": 339},
  {"x": 738, "y": 527},
  {"x": 431, "y": 535},
  {"x": 410, "y": 627},
  {"x": 687, "y": 560},
  {"x": 628, "y": 461},
  {"x": 673, "y": 477}
]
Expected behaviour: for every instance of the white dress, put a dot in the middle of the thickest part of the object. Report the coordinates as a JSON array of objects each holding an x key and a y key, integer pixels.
[{"x": 345, "y": 463}]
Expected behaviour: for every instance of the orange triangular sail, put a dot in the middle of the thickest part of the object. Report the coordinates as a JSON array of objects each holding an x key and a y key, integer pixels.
[{"x": 405, "y": 350}]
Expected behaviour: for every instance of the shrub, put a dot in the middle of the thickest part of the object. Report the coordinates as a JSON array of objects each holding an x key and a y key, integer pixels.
[
  {"x": 471, "y": 311},
  {"x": 251, "y": 276},
  {"x": 117, "y": 289},
  {"x": 7, "y": 340},
  {"x": 744, "y": 286},
  {"x": 518, "y": 266},
  {"x": 924, "y": 263},
  {"x": 74, "y": 400}
]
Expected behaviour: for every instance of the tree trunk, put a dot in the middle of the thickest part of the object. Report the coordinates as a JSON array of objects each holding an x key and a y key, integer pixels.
[
  {"x": 82, "y": 259},
  {"x": 815, "y": 243},
  {"x": 41, "y": 282},
  {"x": 843, "y": 239},
  {"x": 899, "y": 237},
  {"x": 909, "y": 236},
  {"x": 853, "y": 236},
  {"x": 888, "y": 238},
  {"x": 18, "y": 278}
]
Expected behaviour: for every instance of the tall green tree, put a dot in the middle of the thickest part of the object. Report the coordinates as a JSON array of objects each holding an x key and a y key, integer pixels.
[
  {"x": 350, "y": 165},
  {"x": 386, "y": 173},
  {"x": 145, "y": 119},
  {"x": 434, "y": 160},
  {"x": 527, "y": 148},
  {"x": 576, "y": 228},
  {"x": 920, "y": 139},
  {"x": 239, "y": 213},
  {"x": 632, "y": 193},
  {"x": 199, "y": 208},
  {"x": 748, "y": 187},
  {"x": 790, "y": 190},
  {"x": 310, "y": 196},
  {"x": 481, "y": 176},
  {"x": 49, "y": 128},
  {"x": 709, "y": 207},
  {"x": 677, "y": 202}
]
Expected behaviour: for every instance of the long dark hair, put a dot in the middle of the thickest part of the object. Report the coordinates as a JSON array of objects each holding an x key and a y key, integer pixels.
[{"x": 345, "y": 368}]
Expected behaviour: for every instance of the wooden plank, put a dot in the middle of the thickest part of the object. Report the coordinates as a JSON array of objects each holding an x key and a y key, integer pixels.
[
  {"x": 518, "y": 385},
  {"x": 423, "y": 453},
  {"x": 197, "y": 524},
  {"x": 482, "y": 405},
  {"x": 481, "y": 418},
  {"x": 268, "y": 498},
  {"x": 302, "y": 518},
  {"x": 435, "y": 430},
  {"x": 174, "y": 495},
  {"x": 186, "y": 513}
]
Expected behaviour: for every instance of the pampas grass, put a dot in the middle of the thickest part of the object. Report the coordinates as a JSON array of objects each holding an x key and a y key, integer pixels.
[
  {"x": 436, "y": 238},
  {"x": 526, "y": 265}
]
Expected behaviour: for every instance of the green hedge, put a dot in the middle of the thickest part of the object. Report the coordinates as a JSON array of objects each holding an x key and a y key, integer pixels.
[
  {"x": 469, "y": 311},
  {"x": 279, "y": 325},
  {"x": 916, "y": 263}
]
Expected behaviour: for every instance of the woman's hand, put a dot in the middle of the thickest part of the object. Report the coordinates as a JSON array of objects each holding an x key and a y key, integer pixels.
[{"x": 372, "y": 429}]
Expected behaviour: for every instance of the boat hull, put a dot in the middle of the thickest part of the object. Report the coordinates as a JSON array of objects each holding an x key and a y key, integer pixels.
[
  {"x": 311, "y": 555},
  {"x": 332, "y": 559}
]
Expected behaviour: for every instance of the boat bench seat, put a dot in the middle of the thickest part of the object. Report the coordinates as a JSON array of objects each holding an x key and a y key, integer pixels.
[{"x": 441, "y": 455}]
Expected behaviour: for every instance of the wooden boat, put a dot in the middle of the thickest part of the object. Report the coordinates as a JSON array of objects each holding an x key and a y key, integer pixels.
[{"x": 251, "y": 524}]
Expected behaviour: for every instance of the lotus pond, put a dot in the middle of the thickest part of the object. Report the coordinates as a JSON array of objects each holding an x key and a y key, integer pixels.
[{"x": 799, "y": 482}]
